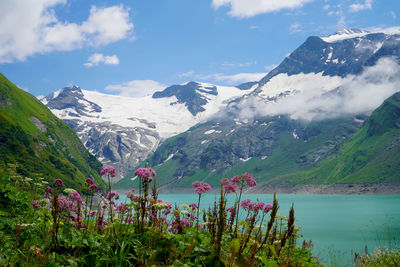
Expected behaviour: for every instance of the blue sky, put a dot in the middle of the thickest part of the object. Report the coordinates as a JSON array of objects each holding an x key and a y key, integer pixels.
[{"x": 134, "y": 47}]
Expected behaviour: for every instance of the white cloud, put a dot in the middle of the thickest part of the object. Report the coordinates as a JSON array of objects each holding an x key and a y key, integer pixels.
[
  {"x": 239, "y": 77},
  {"x": 238, "y": 65},
  {"x": 272, "y": 66},
  {"x": 356, "y": 94},
  {"x": 96, "y": 59},
  {"x": 295, "y": 27},
  {"x": 253, "y": 27},
  {"x": 136, "y": 88},
  {"x": 225, "y": 79},
  {"x": 393, "y": 14},
  {"x": 358, "y": 7},
  {"x": 29, "y": 27},
  {"x": 250, "y": 8},
  {"x": 341, "y": 24},
  {"x": 22, "y": 87}
]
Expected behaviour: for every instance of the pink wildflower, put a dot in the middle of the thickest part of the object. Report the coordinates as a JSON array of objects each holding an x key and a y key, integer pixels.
[
  {"x": 108, "y": 170},
  {"x": 246, "y": 177},
  {"x": 230, "y": 209},
  {"x": 201, "y": 187},
  {"x": 75, "y": 196},
  {"x": 249, "y": 179},
  {"x": 185, "y": 222},
  {"x": 122, "y": 208},
  {"x": 93, "y": 188},
  {"x": 193, "y": 206},
  {"x": 146, "y": 174},
  {"x": 229, "y": 187},
  {"x": 47, "y": 192},
  {"x": 245, "y": 204},
  {"x": 58, "y": 183},
  {"x": 267, "y": 208},
  {"x": 36, "y": 205},
  {"x": 89, "y": 181},
  {"x": 131, "y": 194},
  {"x": 112, "y": 194}
]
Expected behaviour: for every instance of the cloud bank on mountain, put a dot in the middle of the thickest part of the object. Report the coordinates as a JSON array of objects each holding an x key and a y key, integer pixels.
[{"x": 355, "y": 95}]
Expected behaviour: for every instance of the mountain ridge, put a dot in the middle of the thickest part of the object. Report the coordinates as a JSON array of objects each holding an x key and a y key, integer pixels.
[{"x": 35, "y": 142}]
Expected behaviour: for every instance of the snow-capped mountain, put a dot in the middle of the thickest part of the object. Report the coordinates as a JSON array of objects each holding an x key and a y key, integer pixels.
[
  {"x": 123, "y": 130},
  {"x": 335, "y": 67},
  {"x": 299, "y": 114}
]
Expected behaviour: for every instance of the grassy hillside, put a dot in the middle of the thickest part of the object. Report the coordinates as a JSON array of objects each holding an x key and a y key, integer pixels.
[
  {"x": 372, "y": 155},
  {"x": 267, "y": 147},
  {"x": 34, "y": 142}
]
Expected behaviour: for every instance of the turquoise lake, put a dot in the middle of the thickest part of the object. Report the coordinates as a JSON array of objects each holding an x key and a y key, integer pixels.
[{"x": 338, "y": 225}]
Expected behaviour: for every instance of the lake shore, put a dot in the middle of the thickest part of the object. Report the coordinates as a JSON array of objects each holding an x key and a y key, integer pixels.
[{"x": 333, "y": 189}]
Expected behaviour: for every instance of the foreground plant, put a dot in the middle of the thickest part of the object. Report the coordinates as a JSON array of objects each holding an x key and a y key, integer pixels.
[{"x": 146, "y": 230}]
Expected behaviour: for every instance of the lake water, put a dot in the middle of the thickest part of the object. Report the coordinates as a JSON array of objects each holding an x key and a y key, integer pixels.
[{"x": 338, "y": 225}]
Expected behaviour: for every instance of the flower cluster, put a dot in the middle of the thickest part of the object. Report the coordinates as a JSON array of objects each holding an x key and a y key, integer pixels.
[
  {"x": 229, "y": 187},
  {"x": 246, "y": 177},
  {"x": 57, "y": 183},
  {"x": 66, "y": 205},
  {"x": 108, "y": 170},
  {"x": 89, "y": 181},
  {"x": 122, "y": 208},
  {"x": 47, "y": 192},
  {"x": 131, "y": 194},
  {"x": 255, "y": 206},
  {"x": 93, "y": 188},
  {"x": 36, "y": 205},
  {"x": 201, "y": 187},
  {"x": 146, "y": 174},
  {"x": 75, "y": 196},
  {"x": 112, "y": 194},
  {"x": 193, "y": 206}
]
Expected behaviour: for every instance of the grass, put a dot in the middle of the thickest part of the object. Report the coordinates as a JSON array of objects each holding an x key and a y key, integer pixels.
[{"x": 34, "y": 141}]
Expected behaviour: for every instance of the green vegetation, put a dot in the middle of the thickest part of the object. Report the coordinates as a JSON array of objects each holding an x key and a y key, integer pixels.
[
  {"x": 55, "y": 230},
  {"x": 35, "y": 143},
  {"x": 380, "y": 257},
  {"x": 279, "y": 146},
  {"x": 369, "y": 156}
]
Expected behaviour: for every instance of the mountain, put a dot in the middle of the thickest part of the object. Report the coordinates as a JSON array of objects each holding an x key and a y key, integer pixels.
[
  {"x": 371, "y": 155},
  {"x": 34, "y": 142},
  {"x": 123, "y": 131},
  {"x": 301, "y": 114},
  {"x": 267, "y": 147}
]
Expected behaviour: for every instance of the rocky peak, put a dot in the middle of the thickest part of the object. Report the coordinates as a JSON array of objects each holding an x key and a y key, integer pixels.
[
  {"x": 72, "y": 99},
  {"x": 194, "y": 95}
]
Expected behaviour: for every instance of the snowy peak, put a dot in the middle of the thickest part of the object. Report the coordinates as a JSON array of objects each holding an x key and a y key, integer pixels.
[
  {"x": 72, "y": 101},
  {"x": 194, "y": 95},
  {"x": 122, "y": 131},
  {"x": 350, "y": 31},
  {"x": 345, "y": 34},
  {"x": 347, "y": 52}
]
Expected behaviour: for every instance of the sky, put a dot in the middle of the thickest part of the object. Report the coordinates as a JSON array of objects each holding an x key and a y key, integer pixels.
[{"x": 136, "y": 47}]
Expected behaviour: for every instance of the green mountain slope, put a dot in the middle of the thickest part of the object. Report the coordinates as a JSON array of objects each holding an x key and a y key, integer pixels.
[
  {"x": 267, "y": 147},
  {"x": 35, "y": 142},
  {"x": 372, "y": 155}
]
